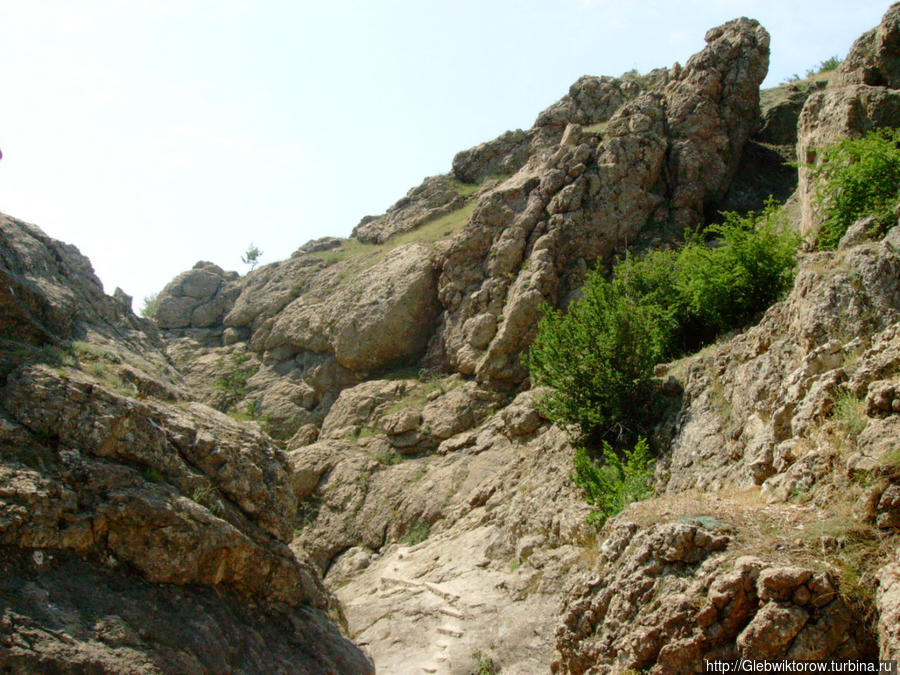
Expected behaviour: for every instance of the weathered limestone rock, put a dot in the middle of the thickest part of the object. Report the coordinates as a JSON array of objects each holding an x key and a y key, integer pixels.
[
  {"x": 789, "y": 370},
  {"x": 157, "y": 525},
  {"x": 505, "y": 155},
  {"x": 665, "y": 154},
  {"x": 670, "y": 595},
  {"x": 65, "y": 614},
  {"x": 864, "y": 94},
  {"x": 390, "y": 327},
  {"x": 48, "y": 292},
  {"x": 198, "y": 298},
  {"x": 435, "y": 197},
  {"x": 780, "y": 109}
]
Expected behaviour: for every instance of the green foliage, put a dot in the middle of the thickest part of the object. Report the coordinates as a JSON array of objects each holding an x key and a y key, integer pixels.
[
  {"x": 857, "y": 177},
  {"x": 151, "y": 305},
  {"x": 599, "y": 356},
  {"x": 234, "y": 380},
  {"x": 418, "y": 533},
  {"x": 484, "y": 664},
  {"x": 825, "y": 66},
  {"x": 56, "y": 356},
  {"x": 153, "y": 475},
  {"x": 850, "y": 414},
  {"x": 308, "y": 510},
  {"x": 251, "y": 256},
  {"x": 613, "y": 484},
  {"x": 727, "y": 285}
]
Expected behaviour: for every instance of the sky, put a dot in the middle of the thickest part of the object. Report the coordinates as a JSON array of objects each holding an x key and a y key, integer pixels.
[{"x": 155, "y": 133}]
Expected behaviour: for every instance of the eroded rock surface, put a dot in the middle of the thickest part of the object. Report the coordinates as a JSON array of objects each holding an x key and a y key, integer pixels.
[
  {"x": 132, "y": 507},
  {"x": 861, "y": 96}
]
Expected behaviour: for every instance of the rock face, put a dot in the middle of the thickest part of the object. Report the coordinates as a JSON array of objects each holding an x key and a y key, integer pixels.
[
  {"x": 518, "y": 224},
  {"x": 199, "y": 298},
  {"x": 669, "y": 596},
  {"x": 863, "y": 95},
  {"x": 749, "y": 401},
  {"x": 437, "y": 196},
  {"x": 389, "y": 328},
  {"x": 130, "y": 506},
  {"x": 663, "y": 156},
  {"x": 385, "y": 461},
  {"x": 477, "y": 548},
  {"x": 48, "y": 291}
]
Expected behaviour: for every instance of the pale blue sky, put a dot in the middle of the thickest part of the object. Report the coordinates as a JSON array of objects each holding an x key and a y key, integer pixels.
[{"x": 155, "y": 133}]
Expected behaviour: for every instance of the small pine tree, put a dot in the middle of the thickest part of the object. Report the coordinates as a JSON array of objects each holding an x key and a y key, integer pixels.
[{"x": 251, "y": 256}]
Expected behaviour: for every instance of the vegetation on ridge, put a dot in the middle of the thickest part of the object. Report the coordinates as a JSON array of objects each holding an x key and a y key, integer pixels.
[
  {"x": 598, "y": 357},
  {"x": 600, "y": 354},
  {"x": 857, "y": 177}
]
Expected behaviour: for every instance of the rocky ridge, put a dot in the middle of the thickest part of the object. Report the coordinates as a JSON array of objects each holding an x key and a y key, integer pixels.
[
  {"x": 123, "y": 502},
  {"x": 411, "y": 467}
]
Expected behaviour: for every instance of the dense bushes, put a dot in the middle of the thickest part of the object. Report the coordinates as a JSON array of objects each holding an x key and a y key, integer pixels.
[
  {"x": 857, "y": 177},
  {"x": 599, "y": 356}
]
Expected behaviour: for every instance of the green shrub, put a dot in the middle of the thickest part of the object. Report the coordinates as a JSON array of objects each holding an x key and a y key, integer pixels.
[
  {"x": 850, "y": 414},
  {"x": 857, "y": 177},
  {"x": 151, "y": 305},
  {"x": 418, "y": 533},
  {"x": 726, "y": 286},
  {"x": 825, "y": 66},
  {"x": 251, "y": 256},
  {"x": 599, "y": 358},
  {"x": 234, "y": 380},
  {"x": 484, "y": 664},
  {"x": 613, "y": 484}
]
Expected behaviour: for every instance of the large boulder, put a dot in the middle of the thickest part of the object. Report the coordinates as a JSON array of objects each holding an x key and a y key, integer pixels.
[
  {"x": 382, "y": 317},
  {"x": 198, "y": 298}
]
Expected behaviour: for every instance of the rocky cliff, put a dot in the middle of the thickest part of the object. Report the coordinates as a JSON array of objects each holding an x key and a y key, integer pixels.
[
  {"x": 384, "y": 459},
  {"x": 140, "y": 531}
]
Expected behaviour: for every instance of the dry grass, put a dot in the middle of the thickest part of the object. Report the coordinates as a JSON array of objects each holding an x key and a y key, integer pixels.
[
  {"x": 354, "y": 256},
  {"x": 826, "y": 533},
  {"x": 775, "y": 95}
]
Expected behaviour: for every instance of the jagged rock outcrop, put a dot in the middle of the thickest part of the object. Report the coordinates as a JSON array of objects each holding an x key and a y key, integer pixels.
[
  {"x": 669, "y": 596},
  {"x": 437, "y": 196},
  {"x": 664, "y": 156},
  {"x": 198, "y": 298},
  {"x": 750, "y": 400},
  {"x": 611, "y": 156},
  {"x": 130, "y": 506},
  {"x": 864, "y": 94},
  {"x": 48, "y": 292},
  {"x": 442, "y": 500}
]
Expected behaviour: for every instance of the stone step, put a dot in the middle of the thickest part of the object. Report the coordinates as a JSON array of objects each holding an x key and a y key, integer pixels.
[
  {"x": 452, "y": 632},
  {"x": 437, "y": 590},
  {"x": 450, "y": 611},
  {"x": 400, "y": 581}
]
